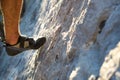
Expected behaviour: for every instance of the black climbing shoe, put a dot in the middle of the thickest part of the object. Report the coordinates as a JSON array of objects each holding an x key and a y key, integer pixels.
[{"x": 24, "y": 44}]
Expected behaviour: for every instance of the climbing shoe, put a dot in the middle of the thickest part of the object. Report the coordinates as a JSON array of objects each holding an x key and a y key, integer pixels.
[{"x": 24, "y": 44}]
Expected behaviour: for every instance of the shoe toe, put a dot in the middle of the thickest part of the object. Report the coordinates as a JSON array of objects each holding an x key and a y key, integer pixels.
[{"x": 39, "y": 42}]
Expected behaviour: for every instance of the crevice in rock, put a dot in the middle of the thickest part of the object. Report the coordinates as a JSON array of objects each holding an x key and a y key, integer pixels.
[
  {"x": 101, "y": 26},
  {"x": 56, "y": 58}
]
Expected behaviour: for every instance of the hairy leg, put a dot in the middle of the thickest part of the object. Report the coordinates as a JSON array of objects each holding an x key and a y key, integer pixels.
[{"x": 11, "y": 10}]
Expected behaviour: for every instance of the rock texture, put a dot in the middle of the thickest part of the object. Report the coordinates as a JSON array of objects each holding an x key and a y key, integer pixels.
[{"x": 82, "y": 41}]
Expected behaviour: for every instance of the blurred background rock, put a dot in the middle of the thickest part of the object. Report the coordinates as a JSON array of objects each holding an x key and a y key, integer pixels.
[{"x": 1, "y": 26}]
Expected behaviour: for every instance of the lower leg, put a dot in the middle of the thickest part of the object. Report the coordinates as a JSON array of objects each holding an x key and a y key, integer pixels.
[{"x": 11, "y": 10}]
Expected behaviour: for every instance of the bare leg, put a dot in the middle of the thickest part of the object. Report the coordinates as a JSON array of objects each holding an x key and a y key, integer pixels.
[{"x": 11, "y": 10}]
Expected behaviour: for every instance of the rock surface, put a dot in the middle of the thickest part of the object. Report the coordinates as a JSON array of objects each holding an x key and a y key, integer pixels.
[{"x": 82, "y": 41}]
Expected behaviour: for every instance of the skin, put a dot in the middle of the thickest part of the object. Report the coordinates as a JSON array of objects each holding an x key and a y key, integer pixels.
[{"x": 11, "y": 10}]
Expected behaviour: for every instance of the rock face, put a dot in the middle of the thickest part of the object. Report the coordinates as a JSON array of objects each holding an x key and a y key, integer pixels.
[{"x": 82, "y": 41}]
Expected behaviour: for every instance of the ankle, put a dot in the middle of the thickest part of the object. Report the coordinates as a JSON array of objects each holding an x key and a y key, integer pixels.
[{"x": 11, "y": 41}]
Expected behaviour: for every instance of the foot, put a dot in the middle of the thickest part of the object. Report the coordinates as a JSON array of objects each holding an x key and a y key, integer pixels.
[{"x": 24, "y": 44}]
